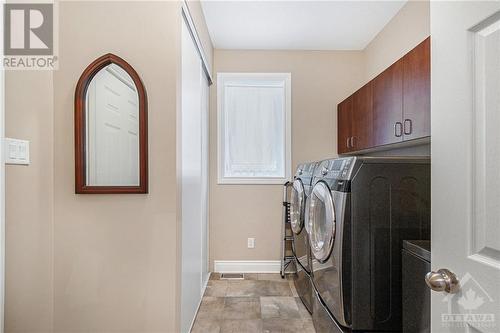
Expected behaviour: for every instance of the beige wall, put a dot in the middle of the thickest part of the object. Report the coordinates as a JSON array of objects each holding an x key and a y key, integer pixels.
[
  {"x": 113, "y": 253},
  {"x": 29, "y": 226},
  {"x": 320, "y": 79},
  {"x": 94, "y": 263},
  {"x": 406, "y": 30}
]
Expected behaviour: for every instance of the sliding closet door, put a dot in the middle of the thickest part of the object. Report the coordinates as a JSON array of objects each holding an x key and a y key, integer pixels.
[
  {"x": 204, "y": 178},
  {"x": 194, "y": 176}
]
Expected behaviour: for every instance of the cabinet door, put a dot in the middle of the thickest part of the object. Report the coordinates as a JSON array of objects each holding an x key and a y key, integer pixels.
[
  {"x": 362, "y": 118},
  {"x": 417, "y": 91},
  {"x": 344, "y": 125},
  {"x": 388, "y": 105}
]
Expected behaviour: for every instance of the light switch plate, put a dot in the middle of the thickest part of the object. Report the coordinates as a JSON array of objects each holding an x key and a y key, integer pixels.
[
  {"x": 251, "y": 243},
  {"x": 17, "y": 151}
]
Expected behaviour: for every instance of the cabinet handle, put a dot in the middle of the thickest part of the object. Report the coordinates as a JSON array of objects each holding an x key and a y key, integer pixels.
[
  {"x": 398, "y": 129},
  {"x": 347, "y": 142},
  {"x": 352, "y": 141},
  {"x": 408, "y": 121}
]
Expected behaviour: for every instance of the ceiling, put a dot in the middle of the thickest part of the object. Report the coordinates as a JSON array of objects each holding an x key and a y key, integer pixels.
[{"x": 297, "y": 25}]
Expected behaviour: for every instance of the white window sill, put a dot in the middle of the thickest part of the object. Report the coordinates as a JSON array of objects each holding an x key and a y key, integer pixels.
[{"x": 252, "y": 181}]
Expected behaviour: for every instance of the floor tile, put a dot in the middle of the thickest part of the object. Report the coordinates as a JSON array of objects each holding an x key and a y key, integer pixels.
[
  {"x": 216, "y": 288},
  {"x": 275, "y": 325},
  {"x": 302, "y": 309},
  {"x": 259, "y": 303},
  {"x": 206, "y": 326},
  {"x": 279, "y": 307},
  {"x": 308, "y": 326},
  {"x": 292, "y": 288},
  {"x": 211, "y": 308},
  {"x": 251, "y": 276},
  {"x": 270, "y": 277},
  {"x": 241, "y": 326},
  {"x": 241, "y": 308},
  {"x": 276, "y": 288},
  {"x": 245, "y": 288},
  {"x": 255, "y": 288}
]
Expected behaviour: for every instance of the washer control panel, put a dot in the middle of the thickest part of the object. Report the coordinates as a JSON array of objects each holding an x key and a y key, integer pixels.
[{"x": 339, "y": 168}]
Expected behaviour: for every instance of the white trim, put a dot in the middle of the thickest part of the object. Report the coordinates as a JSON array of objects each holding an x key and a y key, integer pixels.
[
  {"x": 252, "y": 181},
  {"x": 204, "y": 287},
  {"x": 286, "y": 79},
  {"x": 247, "y": 266},
  {"x": 207, "y": 68}
]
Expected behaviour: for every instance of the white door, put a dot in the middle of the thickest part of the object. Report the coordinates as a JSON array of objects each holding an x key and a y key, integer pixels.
[
  {"x": 466, "y": 165},
  {"x": 194, "y": 179}
]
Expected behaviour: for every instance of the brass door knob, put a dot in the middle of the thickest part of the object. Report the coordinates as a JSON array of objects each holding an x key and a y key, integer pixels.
[{"x": 442, "y": 280}]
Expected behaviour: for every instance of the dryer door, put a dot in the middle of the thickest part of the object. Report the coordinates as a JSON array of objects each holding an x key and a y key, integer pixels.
[
  {"x": 297, "y": 206},
  {"x": 321, "y": 222}
]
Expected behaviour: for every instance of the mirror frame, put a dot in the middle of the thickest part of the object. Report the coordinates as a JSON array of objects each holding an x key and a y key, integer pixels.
[{"x": 88, "y": 74}]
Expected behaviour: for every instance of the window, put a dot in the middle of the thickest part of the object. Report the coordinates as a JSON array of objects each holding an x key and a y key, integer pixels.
[{"x": 254, "y": 128}]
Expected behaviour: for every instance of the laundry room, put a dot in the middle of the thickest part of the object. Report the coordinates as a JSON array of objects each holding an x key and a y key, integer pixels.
[
  {"x": 250, "y": 166},
  {"x": 349, "y": 154}
]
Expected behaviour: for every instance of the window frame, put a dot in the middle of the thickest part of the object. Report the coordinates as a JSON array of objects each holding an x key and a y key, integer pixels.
[{"x": 287, "y": 80}]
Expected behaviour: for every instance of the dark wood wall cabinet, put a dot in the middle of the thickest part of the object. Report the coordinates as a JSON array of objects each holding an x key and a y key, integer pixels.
[{"x": 392, "y": 108}]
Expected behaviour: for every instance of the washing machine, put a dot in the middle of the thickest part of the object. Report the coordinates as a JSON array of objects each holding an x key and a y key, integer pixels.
[
  {"x": 361, "y": 209},
  {"x": 299, "y": 199}
]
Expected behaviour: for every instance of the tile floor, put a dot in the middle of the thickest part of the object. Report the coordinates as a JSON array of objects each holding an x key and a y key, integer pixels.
[{"x": 259, "y": 303}]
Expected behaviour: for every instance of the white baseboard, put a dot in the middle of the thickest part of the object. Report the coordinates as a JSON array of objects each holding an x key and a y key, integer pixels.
[{"x": 247, "y": 266}]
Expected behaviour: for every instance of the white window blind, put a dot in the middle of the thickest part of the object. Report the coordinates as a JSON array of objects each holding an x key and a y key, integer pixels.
[{"x": 254, "y": 128}]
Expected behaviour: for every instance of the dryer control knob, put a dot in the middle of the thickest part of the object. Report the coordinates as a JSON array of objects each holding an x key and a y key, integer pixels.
[{"x": 324, "y": 171}]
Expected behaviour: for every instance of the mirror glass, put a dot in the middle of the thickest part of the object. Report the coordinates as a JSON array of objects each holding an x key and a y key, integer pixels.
[{"x": 112, "y": 129}]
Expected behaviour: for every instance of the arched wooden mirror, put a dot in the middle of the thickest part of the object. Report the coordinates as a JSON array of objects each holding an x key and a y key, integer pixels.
[{"x": 111, "y": 131}]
